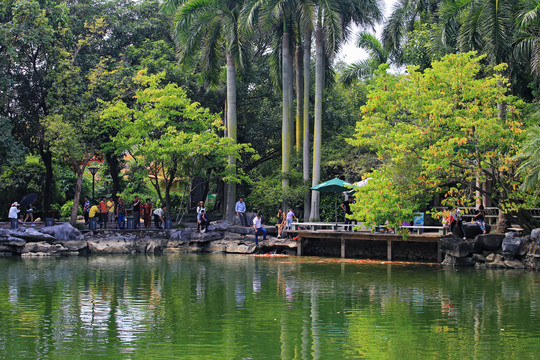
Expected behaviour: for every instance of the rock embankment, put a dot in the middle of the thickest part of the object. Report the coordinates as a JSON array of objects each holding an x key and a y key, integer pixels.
[
  {"x": 509, "y": 251},
  {"x": 64, "y": 239}
]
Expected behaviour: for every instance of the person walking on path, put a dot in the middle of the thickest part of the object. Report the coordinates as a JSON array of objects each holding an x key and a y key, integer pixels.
[
  {"x": 158, "y": 217},
  {"x": 200, "y": 208},
  {"x": 86, "y": 209},
  {"x": 240, "y": 209},
  {"x": 147, "y": 214},
  {"x": 290, "y": 217},
  {"x": 103, "y": 213},
  {"x": 257, "y": 226},
  {"x": 137, "y": 212},
  {"x": 111, "y": 211},
  {"x": 121, "y": 213}
]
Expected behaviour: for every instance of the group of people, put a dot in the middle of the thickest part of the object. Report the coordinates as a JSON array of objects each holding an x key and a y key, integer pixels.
[
  {"x": 454, "y": 219},
  {"x": 115, "y": 212},
  {"x": 28, "y": 213}
]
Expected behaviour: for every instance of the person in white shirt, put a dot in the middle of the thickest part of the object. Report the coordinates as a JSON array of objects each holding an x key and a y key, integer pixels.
[
  {"x": 14, "y": 211},
  {"x": 257, "y": 225},
  {"x": 240, "y": 209},
  {"x": 158, "y": 216}
]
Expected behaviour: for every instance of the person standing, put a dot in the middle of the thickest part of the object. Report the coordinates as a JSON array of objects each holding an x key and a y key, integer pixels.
[
  {"x": 158, "y": 217},
  {"x": 202, "y": 221},
  {"x": 346, "y": 206},
  {"x": 29, "y": 213},
  {"x": 111, "y": 210},
  {"x": 121, "y": 213},
  {"x": 290, "y": 217},
  {"x": 14, "y": 211},
  {"x": 137, "y": 212},
  {"x": 259, "y": 229},
  {"x": 86, "y": 209},
  {"x": 240, "y": 209},
  {"x": 457, "y": 221},
  {"x": 280, "y": 222},
  {"x": 147, "y": 214},
  {"x": 103, "y": 213}
]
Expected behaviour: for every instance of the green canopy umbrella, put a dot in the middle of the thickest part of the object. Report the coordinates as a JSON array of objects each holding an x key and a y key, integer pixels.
[{"x": 334, "y": 185}]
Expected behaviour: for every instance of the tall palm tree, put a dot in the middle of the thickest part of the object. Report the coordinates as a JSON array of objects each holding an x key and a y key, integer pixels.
[
  {"x": 211, "y": 28},
  {"x": 528, "y": 36},
  {"x": 377, "y": 55},
  {"x": 402, "y": 21},
  {"x": 286, "y": 18},
  {"x": 333, "y": 20}
]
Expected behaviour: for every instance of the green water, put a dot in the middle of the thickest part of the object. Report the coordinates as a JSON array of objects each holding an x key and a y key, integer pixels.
[{"x": 245, "y": 307}]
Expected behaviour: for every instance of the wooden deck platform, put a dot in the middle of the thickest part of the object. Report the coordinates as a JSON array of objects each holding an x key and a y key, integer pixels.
[{"x": 348, "y": 236}]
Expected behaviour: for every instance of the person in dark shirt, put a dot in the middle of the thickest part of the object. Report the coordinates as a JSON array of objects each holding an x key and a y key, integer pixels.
[
  {"x": 480, "y": 218},
  {"x": 137, "y": 212},
  {"x": 346, "y": 206}
]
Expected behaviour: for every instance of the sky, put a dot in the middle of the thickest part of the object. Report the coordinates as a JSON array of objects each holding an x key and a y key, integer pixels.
[{"x": 349, "y": 52}]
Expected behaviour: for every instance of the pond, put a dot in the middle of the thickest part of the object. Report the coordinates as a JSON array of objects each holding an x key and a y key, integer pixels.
[{"x": 260, "y": 307}]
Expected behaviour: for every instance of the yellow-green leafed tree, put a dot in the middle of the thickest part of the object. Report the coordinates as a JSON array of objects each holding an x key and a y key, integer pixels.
[
  {"x": 173, "y": 137},
  {"x": 440, "y": 132}
]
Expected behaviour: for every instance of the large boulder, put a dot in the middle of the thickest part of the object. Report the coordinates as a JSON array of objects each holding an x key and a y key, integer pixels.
[
  {"x": 220, "y": 225},
  {"x": 535, "y": 236},
  {"x": 249, "y": 218},
  {"x": 243, "y": 230},
  {"x": 43, "y": 249},
  {"x": 452, "y": 261},
  {"x": 489, "y": 242},
  {"x": 513, "y": 245},
  {"x": 112, "y": 246},
  {"x": 181, "y": 234},
  {"x": 471, "y": 230},
  {"x": 457, "y": 247},
  {"x": 240, "y": 248},
  {"x": 63, "y": 232},
  {"x": 205, "y": 236},
  {"x": 32, "y": 234}
]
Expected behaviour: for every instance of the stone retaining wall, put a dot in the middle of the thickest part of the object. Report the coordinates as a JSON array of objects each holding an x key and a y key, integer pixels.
[{"x": 66, "y": 240}]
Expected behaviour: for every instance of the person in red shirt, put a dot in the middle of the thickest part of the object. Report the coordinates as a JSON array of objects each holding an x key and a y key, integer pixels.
[
  {"x": 103, "y": 213},
  {"x": 147, "y": 214}
]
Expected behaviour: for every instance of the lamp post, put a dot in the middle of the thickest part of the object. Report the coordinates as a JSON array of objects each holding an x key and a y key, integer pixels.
[{"x": 93, "y": 171}]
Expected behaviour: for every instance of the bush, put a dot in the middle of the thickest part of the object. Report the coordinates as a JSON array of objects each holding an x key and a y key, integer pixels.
[{"x": 65, "y": 210}]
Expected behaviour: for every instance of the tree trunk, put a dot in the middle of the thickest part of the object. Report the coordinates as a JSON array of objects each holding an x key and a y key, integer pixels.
[
  {"x": 46, "y": 157},
  {"x": 114, "y": 170},
  {"x": 299, "y": 97},
  {"x": 307, "y": 85},
  {"x": 317, "y": 126},
  {"x": 77, "y": 196},
  {"x": 286, "y": 80},
  {"x": 231, "y": 132}
]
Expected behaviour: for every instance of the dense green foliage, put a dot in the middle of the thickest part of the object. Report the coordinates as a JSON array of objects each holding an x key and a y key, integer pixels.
[{"x": 104, "y": 83}]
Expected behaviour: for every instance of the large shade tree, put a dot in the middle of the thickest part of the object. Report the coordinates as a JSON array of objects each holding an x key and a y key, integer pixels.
[
  {"x": 440, "y": 133},
  {"x": 210, "y": 31}
]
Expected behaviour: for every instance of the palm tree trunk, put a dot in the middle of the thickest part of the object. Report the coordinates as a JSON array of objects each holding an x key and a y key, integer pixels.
[
  {"x": 286, "y": 74},
  {"x": 299, "y": 96},
  {"x": 307, "y": 84},
  {"x": 231, "y": 132},
  {"x": 317, "y": 126}
]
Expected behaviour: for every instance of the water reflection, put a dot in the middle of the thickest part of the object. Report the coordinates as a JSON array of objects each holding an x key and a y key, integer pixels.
[{"x": 236, "y": 307}]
